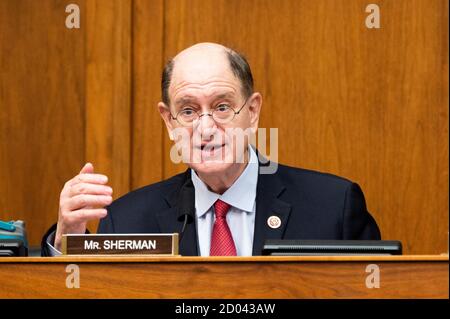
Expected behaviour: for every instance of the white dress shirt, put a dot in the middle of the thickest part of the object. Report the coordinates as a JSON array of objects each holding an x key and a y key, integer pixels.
[{"x": 241, "y": 197}]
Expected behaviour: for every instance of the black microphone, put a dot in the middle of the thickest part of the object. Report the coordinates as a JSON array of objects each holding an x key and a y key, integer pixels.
[{"x": 186, "y": 204}]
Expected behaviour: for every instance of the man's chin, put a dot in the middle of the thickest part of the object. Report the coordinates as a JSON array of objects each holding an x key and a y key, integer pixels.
[{"x": 211, "y": 167}]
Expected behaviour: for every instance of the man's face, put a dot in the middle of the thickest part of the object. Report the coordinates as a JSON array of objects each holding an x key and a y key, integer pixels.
[{"x": 202, "y": 82}]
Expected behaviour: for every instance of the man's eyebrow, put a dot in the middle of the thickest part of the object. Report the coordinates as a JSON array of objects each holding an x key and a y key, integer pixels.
[
  {"x": 225, "y": 95},
  {"x": 184, "y": 99},
  {"x": 187, "y": 99}
]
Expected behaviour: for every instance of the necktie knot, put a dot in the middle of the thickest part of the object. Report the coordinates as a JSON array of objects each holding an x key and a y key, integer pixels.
[{"x": 221, "y": 209}]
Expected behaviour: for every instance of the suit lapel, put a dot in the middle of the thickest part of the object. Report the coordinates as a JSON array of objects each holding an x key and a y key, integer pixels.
[
  {"x": 269, "y": 204},
  {"x": 169, "y": 222}
]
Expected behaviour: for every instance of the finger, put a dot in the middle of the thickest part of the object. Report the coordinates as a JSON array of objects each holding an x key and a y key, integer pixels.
[
  {"x": 84, "y": 215},
  {"x": 91, "y": 189},
  {"x": 89, "y": 178},
  {"x": 83, "y": 201},
  {"x": 87, "y": 168}
]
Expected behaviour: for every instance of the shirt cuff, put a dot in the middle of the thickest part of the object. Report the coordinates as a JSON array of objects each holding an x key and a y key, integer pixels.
[{"x": 52, "y": 250}]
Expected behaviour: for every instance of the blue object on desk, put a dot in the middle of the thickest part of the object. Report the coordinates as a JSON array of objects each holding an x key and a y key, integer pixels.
[
  {"x": 13, "y": 239},
  {"x": 7, "y": 226}
]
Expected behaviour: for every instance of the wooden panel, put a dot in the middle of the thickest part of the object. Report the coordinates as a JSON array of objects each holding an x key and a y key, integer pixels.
[
  {"x": 41, "y": 109},
  {"x": 108, "y": 84},
  {"x": 65, "y": 100},
  {"x": 147, "y": 129},
  {"x": 259, "y": 277},
  {"x": 108, "y": 97},
  {"x": 370, "y": 105}
]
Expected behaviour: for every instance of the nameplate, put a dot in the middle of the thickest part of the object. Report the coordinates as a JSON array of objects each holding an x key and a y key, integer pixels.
[{"x": 120, "y": 244}]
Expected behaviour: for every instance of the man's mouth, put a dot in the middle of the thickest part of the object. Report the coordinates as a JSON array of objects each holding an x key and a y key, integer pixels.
[
  {"x": 209, "y": 150},
  {"x": 211, "y": 146}
]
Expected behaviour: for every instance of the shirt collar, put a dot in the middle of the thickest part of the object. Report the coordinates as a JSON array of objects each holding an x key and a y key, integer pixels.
[{"x": 240, "y": 195}]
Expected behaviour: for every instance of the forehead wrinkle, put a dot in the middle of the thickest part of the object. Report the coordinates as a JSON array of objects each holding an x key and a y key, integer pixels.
[
  {"x": 200, "y": 85},
  {"x": 206, "y": 91}
]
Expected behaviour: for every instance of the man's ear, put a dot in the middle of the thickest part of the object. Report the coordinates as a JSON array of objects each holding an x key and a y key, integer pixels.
[
  {"x": 164, "y": 111},
  {"x": 254, "y": 108}
]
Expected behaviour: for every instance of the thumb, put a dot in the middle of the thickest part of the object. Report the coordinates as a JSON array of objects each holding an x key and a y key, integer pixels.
[{"x": 87, "y": 168}]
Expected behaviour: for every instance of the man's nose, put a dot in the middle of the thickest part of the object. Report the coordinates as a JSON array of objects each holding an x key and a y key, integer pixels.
[
  {"x": 206, "y": 120},
  {"x": 207, "y": 126}
]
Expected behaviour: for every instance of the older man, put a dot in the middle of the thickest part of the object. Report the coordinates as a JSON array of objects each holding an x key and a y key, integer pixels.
[{"x": 207, "y": 91}]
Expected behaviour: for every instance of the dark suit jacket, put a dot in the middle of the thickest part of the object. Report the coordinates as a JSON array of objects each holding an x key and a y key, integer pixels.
[{"x": 311, "y": 205}]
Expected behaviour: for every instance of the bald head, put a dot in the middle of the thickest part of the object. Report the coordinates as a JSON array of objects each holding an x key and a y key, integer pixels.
[
  {"x": 205, "y": 60},
  {"x": 201, "y": 49}
]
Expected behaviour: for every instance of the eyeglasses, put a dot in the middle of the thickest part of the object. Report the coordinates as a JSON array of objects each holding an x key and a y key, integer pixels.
[{"x": 222, "y": 114}]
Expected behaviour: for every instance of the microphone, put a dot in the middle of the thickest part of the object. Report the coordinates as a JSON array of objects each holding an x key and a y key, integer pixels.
[{"x": 186, "y": 205}]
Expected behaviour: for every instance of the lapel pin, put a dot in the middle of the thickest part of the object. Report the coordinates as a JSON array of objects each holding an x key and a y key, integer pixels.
[{"x": 274, "y": 222}]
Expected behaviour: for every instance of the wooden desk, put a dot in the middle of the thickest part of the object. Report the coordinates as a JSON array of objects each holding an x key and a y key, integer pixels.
[{"x": 225, "y": 277}]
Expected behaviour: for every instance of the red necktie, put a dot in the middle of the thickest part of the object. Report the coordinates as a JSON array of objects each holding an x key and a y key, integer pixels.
[{"x": 222, "y": 243}]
